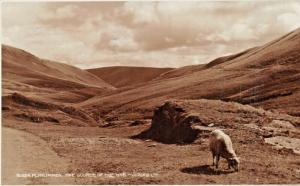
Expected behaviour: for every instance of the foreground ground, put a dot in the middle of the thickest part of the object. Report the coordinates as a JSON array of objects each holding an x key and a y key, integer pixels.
[
  {"x": 112, "y": 157},
  {"x": 25, "y": 153}
]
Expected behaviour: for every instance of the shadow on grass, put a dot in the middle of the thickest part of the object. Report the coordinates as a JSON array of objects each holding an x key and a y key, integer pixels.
[{"x": 205, "y": 169}]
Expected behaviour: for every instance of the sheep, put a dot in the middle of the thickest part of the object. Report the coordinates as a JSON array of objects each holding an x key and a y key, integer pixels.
[{"x": 220, "y": 145}]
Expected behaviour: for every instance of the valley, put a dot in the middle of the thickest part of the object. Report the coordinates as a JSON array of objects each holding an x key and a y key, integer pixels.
[{"x": 151, "y": 125}]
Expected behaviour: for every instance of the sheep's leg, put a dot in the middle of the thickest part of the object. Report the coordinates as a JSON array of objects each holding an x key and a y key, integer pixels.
[
  {"x": 217, "y": 163},
  {"x": 213, "y": 156},
  {"x": 229, "y": 165}
]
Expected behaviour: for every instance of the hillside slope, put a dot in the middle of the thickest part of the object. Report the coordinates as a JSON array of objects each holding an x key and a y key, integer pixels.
[
  {"x": 27, "y": 74},
  {"x": 267, "y": 76},
  {"x": 120, "y": 76},
  {"x": 179, "y": 72}
]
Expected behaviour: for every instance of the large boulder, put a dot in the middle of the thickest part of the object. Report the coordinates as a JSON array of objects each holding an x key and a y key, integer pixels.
[{"x": 171, "y": 124}]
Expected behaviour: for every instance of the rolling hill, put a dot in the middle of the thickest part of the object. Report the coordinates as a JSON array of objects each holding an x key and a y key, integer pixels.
[
  {"x": 30, "y": 75},
  {"x": 267, "y": 76},
  {"x": 120, "y": 76}
]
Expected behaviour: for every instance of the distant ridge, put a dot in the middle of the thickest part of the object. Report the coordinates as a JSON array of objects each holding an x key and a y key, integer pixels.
[{"x": 121, "y": 76}]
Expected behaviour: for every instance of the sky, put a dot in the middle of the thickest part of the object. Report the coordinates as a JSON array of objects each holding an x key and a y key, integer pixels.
[{"x": 154, "y": 34}]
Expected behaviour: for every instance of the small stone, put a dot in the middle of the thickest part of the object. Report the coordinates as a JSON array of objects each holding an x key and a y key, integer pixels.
[
  {"x": 211, "y": 125},
  {"x": 295, "y": 151}
]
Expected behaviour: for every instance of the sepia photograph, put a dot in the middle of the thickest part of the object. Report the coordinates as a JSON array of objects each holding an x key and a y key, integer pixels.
[{"x": 150, "y": 92}]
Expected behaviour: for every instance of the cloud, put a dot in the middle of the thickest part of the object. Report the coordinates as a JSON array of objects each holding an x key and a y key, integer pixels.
[
  {"x": 123, "y": 44},
  {"x": 117, "y": 38},
  {"x": 94, "y": 34},
  {"x": 290, "y": 20},
  {"x": 142, "y": 12},
  {"x": 64, "y": 12},
  {"x": 239, "y": 32}
]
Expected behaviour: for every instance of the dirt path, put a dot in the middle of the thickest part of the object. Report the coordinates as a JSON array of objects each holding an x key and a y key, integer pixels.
[{"x": 24, "y": 153}]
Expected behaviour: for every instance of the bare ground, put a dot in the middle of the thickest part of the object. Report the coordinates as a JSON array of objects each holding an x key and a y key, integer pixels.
[
  {"x": 118, "y": 159},
  {"x": 24, "y": 153}
]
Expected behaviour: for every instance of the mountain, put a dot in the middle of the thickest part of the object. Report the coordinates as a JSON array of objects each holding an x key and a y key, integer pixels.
[
  {"x": 30, "y": 75},
  {"x": 120, "y": 76},
  {"x": 39, "y": 90},
  {"x": 267, "y": 76}
]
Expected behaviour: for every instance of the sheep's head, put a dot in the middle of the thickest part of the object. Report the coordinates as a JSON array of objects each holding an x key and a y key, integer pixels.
[{"x": 234, "y": 163}]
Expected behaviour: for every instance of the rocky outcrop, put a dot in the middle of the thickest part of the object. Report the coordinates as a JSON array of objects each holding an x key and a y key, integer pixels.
[
  {"x": 171, "y": 124},
  {"x": 182, "y": 121}
]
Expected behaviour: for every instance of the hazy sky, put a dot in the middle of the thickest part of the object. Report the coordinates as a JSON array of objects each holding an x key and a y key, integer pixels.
[{"x": 159, "y": 34}]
